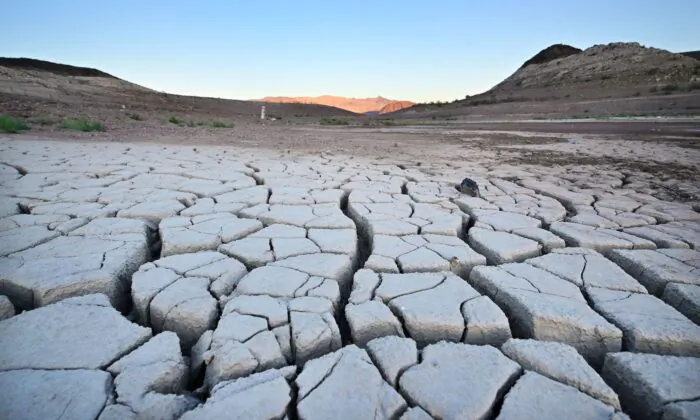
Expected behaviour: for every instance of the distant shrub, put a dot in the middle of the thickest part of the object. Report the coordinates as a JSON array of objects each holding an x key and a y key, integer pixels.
[
  {"x": 222, "y": 124},
  {"x": 694, "y": 86},
  {"x": 176, "y": 120},
  {"x": 637, "y": 93},
  {"x": 42, "y": 121},
  {"x": 12, "y": 125},
  {"x": 135, "y": 117},
  {"x": 654, "y": 89},
  {"x": 670, "y": 88},
  {"x": 81, "y": 124},
  {"x": 332, "y": 121}
]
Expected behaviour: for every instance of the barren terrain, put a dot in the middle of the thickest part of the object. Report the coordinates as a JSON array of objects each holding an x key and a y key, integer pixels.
[
  {"x": 294, "y": 276},
  {"x": 376, "y": 105},
  {"x": 616, "y": 79},
  {"x": 287, "y": 269}
]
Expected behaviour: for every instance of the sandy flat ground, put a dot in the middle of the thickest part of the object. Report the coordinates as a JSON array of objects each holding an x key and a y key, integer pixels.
[
  {"x": 665, "y": 153},
  {"x": 201, "y": 269}
]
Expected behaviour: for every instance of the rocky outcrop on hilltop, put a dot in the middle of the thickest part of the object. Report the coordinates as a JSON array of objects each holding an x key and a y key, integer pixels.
[
  {"x": 552, "y": 52},
  {"x": 611, "y": 67}
]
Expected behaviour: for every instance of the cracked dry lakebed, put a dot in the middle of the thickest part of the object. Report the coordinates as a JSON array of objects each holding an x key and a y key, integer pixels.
[{"x": 171, "y": 282}]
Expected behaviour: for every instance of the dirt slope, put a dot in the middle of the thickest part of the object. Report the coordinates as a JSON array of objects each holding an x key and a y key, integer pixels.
[
  {"x": 602, "y": 70},
  {"x": 56, "y": 68},
  {"x": 41, "y": 89},
  {"x": 561, "y": 77},
  {"x": 395, "y": 106},
  {"x": 692, "y": 54},
  {"x": 356, "y": 105}
]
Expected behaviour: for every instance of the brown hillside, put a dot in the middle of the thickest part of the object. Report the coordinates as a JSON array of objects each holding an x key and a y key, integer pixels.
[
  {"x": 35, "y": 88},
  {"x": 356, "y": 105},
  {"x": 592, "y": 82},
  {"x": 601, "y": 71},
  {"x": 692, "y": 54},
  {"x": 395, "y": 106}
]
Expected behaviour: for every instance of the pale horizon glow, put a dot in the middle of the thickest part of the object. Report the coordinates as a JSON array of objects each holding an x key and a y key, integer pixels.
[{"x": 409, "y": 50}]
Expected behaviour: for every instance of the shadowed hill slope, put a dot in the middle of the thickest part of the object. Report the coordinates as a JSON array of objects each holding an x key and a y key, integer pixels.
[
  {"x": 692, "y": 54},
  {"x": 596, "y": 79},
  {"x": 552, "y": 53},
  {"x": 30, "y": 87},
  {"x": 55, "y": 68}
]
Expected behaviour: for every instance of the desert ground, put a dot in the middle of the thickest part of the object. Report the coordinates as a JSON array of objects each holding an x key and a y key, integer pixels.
[
  {"x": 271, "y": 271},
  {"x": 173, "y": 257}
]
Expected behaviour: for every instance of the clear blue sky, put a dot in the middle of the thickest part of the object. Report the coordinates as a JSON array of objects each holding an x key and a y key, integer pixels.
[{"x": 402, "y": 49}]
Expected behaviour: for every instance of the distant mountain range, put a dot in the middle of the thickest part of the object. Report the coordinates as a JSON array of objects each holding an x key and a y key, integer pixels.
[{"x": 370, "y": 106}]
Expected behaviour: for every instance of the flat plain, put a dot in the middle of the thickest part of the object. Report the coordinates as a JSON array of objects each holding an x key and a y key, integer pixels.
[{"x": 315, "y": 272}]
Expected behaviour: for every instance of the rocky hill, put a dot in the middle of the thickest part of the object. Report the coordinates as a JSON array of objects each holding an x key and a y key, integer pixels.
[
  {"x": 376, "y": 105},
  {"x": 55, "y": 68},
  {"x": 610, "y": 70},
  {"x": 692, "y": 54},
  {"x": 552, "y": 53},
  {"x": 34, "y": 88},
  {"x": 603, "y": 80}
]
